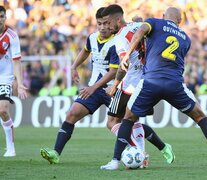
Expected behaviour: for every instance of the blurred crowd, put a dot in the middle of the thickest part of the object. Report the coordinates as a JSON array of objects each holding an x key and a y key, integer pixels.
[{"x": 60, "y": 27}]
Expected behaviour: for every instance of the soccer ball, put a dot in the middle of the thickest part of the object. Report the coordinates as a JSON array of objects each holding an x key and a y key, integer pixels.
[{"x": 132, "y": 157}]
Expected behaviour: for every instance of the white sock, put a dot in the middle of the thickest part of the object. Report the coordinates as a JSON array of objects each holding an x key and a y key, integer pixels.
[
  {"x": 9, "y": 133},
  {"x": 137, "y": 136},
  {"x": 115, "y": 129}
]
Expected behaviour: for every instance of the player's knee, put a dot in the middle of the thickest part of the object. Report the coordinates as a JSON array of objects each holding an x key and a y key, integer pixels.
[
  {"x": 72, "y": 116},
  {"x": 4, "y": 113},
  {"x": 112, "y": 121},
  {"x": 197, "y": 114}
]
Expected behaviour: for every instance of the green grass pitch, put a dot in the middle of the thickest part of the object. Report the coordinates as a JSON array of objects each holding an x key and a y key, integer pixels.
[{"x": 90, "y": 148}]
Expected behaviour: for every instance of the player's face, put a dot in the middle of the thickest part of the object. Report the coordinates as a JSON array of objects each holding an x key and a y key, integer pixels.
[
  {"x": 113, "y": 24},
  {"x": 2, "y": 19},
  {"x": 103, "y": 28}
]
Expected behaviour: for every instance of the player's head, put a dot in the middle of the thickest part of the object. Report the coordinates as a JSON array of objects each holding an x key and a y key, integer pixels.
[
  {"x": 173, "y": 14},
  {"x": 2, "y": 16},
  {"x": 114, "y": 15},
  {"x": 102, "y": 25}
]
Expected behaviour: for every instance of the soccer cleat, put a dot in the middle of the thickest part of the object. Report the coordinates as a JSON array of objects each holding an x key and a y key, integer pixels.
[
  {"x": 168, "y": 154},
  {"x": 51, "y": 155},
  {"x": 112, "y": 165},
  {"x": 9, "y": 154}
]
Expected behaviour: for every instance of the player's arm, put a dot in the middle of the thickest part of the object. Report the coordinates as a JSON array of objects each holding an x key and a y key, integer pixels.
[
  {"x": 137, "y": 37},
  {"x": 120, "y": 74},
  {"x": 113, "y": 66},
  {"x": 21, "y": 89},
  {"x": 82, "y": 56},
  {"x": 87, "y": 91},
  {"x": 16, "y": 56}
]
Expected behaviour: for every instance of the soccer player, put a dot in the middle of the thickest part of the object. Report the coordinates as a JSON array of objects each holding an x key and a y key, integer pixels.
[
  {"x": 166, "y": 48},
  {"x": 104, "y": 61},
  {"x": 10, "y": 67},
  {"x": 114, "y": 14}
]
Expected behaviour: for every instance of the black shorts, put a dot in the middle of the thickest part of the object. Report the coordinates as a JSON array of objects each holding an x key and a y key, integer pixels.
[
  {"x": 6, "y": 92},
  {"x": 118, "y": 104}
]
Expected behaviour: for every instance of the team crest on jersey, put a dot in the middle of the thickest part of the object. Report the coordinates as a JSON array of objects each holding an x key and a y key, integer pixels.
[
  {"x": 103, "y": 53},
  {"x": 4, "y": 45}
]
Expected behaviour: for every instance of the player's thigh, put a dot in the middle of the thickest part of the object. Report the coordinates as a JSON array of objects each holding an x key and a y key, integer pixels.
[
  {"x": 118, "y": 104},
  {"x": 181, "y": 97},
  {"x": 76, "y": 112},
  {"x": 145, "y": 96}
]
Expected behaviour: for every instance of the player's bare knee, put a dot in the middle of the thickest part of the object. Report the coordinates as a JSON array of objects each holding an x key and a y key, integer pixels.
[
  {"x": 4, "y": 114},
  {"x": 196, "y": 114},
  {"x": 112, "y": 121}
]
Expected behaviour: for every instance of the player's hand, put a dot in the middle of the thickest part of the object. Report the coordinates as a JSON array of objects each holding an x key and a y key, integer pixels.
[
  {"x": 110, "y": 90},
  {"x": 86, "y": 92},
  {"x": 137, "y": 19},
  {"x": 75, "y": 76},
  {"x": 125, "y": 63},
  {"x": 22, "y": 91}
]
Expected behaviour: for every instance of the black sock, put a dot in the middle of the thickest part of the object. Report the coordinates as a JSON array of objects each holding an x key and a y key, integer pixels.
[
  {"x": 123, "y": 138},
  {"x": 152, "y": 137},
  {"x": 203, "y": 125},
  {"x": 63, "y": 136}
]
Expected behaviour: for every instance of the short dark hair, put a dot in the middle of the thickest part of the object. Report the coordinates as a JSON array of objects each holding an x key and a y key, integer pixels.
[
  {"x": 99, "y": 12},
  {"x": 2, "y": 8},
  {"x": 112, "y": 9}
]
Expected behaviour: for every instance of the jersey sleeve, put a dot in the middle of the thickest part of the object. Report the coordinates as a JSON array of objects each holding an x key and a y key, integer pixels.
[
  {"x": 87, "y": 47},
  {"x": 15, "y": 48},
  {"x": 123, "y": 45},
  {"x": 114, "y": 58},
  {"x": 150, "y": 22}
]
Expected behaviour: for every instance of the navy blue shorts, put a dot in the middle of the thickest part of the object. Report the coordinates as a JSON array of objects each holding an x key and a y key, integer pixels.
[
  {"x": 149, "y": 92},
  {"x": 98, "y": 98}
]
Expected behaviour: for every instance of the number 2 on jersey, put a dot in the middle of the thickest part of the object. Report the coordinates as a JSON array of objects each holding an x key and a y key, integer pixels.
[{"x": 168, "y": 52}]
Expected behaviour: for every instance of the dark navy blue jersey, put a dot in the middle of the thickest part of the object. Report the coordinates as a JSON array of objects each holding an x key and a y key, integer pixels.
[{"x": 166, "y": 48}]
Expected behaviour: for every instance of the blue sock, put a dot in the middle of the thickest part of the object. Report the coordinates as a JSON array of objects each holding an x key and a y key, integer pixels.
[
  {"x": 123, "y": 138},
  {"x": 63, "y": 136},
  {"x": 203, "y": 125}
]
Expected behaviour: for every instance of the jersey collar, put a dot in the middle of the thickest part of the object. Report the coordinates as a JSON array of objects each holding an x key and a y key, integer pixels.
[{"x": 105, "y": 40}]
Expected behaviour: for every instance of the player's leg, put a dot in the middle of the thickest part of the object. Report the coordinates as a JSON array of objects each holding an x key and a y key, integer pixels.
[
  {"x": 165, "y": 148},
  {"x": 77, "y": 112},
  {"x": 185, "y": 101},
  {"x": 79, "y": 109},
  {"x": 123, "y": 139},
  {"x": 141, "y": 102},
  {"x": 199, "y": 117},
  {"x": 7, "y": 124}
]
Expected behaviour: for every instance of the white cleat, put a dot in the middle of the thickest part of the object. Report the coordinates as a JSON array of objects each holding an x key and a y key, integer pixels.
[
  {"x": 10, "y": 154},
  {"x": 112, "y": 165}
]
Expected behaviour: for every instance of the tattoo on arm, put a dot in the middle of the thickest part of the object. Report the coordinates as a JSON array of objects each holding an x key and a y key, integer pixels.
[{"x": 120, "y": 74}]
